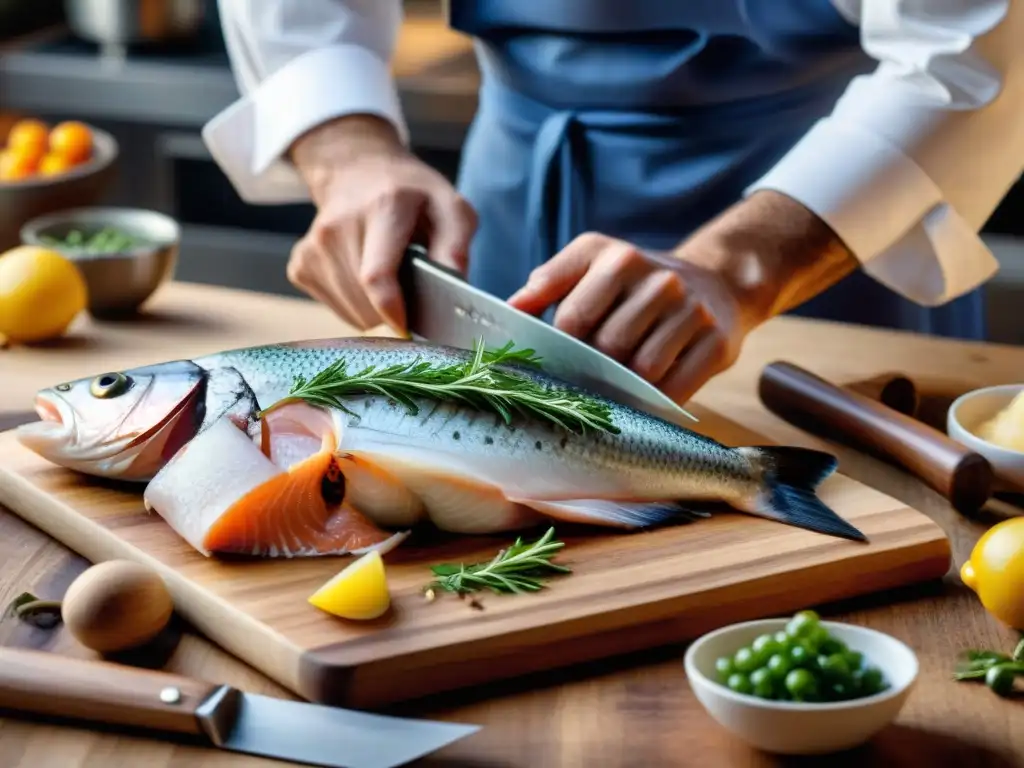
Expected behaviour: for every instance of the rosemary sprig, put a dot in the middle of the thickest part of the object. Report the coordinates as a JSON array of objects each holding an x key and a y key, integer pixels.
[
  {"x": 479, "y": 382},
  {"x": 520, "y": 568}
]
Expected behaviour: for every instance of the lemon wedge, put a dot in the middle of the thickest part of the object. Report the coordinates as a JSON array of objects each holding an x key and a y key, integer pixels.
[{"x": 359, "y": 591}]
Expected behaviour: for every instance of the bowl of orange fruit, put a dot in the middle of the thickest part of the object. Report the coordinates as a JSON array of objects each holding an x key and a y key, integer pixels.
[{"x": 46, "y": 168}]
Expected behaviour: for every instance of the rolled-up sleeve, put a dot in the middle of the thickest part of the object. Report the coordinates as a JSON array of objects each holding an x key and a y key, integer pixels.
[
  {"x": 916, "y": 155},
  {"x": 299, "y": 63}
]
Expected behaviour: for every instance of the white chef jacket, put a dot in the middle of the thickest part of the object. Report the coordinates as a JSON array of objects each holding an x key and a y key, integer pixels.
[{"x": 911, "y": 162}]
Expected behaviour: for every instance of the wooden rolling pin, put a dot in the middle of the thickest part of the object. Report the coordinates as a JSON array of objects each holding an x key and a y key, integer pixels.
[
  {"x": 962, "y": 476},
  {"x": 892, "y": 389}
]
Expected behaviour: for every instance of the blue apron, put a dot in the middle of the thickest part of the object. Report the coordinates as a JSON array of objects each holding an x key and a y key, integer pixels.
[{"x": 643, "y": 119}]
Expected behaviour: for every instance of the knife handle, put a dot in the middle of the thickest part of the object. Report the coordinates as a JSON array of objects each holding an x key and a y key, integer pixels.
[
  {"x": 417, "y": 251},
  {"x": 962, "y": 476},
  {"x": 50, "y": 685}
]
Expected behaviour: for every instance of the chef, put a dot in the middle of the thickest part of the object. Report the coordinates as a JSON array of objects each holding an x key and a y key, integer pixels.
[{"x": 656, "y": 177}]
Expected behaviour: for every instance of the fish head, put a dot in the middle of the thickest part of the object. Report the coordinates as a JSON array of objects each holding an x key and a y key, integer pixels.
[{"x": 123, "y": 425}]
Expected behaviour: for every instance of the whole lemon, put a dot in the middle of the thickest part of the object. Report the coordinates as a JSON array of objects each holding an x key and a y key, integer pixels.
[
  {"x": 41, "y": 292},
  {"x": 995, "y": 571}
]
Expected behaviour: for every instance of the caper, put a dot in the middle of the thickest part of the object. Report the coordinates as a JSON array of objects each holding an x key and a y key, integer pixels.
[
  {"x": 745, "y": 660},
  {"x": 1000, "y": 679},
  {"x": 801, "y": 684},
  {"x": 740, "y": 683},
  {"x": 762, "y": 683},
  {"x": 724, "y": 668},
  {"x": 779, "y": 666}
]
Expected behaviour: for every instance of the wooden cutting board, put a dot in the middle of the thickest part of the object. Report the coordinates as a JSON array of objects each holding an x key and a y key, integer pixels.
[{"x": 628, "y": 591}]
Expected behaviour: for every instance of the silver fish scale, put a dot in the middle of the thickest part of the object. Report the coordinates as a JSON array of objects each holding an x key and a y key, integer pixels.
[{"x": 647, "y": 447}]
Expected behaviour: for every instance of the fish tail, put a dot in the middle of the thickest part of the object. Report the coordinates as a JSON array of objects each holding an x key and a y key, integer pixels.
[{"x": 789, "y": 482}]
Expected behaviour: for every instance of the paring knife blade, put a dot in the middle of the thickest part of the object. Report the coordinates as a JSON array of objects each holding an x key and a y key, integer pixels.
[
  {"x": 46, "y": 684},
  {"x": 441, "y": 307}
]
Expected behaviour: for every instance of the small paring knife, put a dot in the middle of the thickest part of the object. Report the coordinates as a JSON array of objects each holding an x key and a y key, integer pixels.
[
  {"x": 441, "y": 307},
  {"x": 46, "y": 684}
]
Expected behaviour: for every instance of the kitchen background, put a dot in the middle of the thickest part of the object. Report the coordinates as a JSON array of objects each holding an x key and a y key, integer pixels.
[{"x": 154, "y": 99}]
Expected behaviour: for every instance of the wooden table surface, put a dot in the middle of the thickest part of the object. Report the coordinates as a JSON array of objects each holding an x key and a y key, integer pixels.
[{"x": 635, "y": 711}]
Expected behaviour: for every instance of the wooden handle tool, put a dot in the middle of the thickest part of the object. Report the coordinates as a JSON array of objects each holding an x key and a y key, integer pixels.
[
  {"x": 892, "y": 389},
  {"x": 962, "y": 476},
  {"x": 35, "y": 682},
  {"x": 51, "y": 685}
]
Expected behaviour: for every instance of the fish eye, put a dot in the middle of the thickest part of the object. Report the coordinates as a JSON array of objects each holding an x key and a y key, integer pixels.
[{"x": 109, "y": 385}]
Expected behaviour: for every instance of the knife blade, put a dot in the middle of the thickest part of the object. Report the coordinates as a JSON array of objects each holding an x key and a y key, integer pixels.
[
  {"x": 443, "y": 308},
  {"x": 47, "y": 684}
]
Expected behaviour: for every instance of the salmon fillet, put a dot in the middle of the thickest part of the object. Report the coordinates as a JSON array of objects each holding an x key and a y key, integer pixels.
[{"x": 222, "y": 494}]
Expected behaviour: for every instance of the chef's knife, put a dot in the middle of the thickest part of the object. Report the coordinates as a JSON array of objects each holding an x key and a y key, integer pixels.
[
  {"x": 103, "y": 692},
  {"x": 443, "y": 308}
]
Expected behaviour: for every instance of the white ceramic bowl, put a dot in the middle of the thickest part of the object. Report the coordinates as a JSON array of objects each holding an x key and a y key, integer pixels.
[
  {"x": 795, "y": 728},
  {"x": 968, "y": 412}
]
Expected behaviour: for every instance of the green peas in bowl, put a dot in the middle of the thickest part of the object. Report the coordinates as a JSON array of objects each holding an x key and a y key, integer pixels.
[
  {"x": 800, "y": 685},
  {"x": 803, "y": 662}
]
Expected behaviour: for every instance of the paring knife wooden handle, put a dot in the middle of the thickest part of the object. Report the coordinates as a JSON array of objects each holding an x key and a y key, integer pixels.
[
  {"x": 113, "y": 694},
  {"x": 962, "y": 476}
]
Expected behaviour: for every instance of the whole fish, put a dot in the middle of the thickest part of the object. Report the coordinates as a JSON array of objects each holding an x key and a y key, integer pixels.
[{"x": 306, "y": 479}]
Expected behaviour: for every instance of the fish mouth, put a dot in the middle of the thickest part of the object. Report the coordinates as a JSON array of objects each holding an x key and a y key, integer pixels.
[
  {"x": 56, "y": 438},
  {"x": 49, "y": 409},
  {"x": 55, "y": 429}
]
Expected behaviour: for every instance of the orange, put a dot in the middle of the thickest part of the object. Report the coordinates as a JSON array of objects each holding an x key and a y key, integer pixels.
[
  {"x": 29, "y": 135},
  {"x": 72, "y": 140},
  {"x": 16, "y": 165},
  {"x": 28, "y": 155},
  {"x": 41, "y": 292},
  {"x": 54, "y": 165}
]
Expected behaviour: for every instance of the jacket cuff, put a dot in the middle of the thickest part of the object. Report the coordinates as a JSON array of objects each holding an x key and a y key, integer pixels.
[
  {"x": 249, "y": 138},
  {"x": 886, "y": 210}
]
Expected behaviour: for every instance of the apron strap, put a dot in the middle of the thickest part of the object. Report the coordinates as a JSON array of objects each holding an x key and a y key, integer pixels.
[
  {"x": 554, "y": 195},
  {"x": 560, "y": 165}
]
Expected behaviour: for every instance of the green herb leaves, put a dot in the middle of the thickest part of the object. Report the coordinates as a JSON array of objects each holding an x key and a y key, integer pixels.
[
  {"x": 481, "y": 382},
  {"x": 520, "y": 568},
  {"x": 42, "y": 614},
  {"x": 998, "y": 670}
]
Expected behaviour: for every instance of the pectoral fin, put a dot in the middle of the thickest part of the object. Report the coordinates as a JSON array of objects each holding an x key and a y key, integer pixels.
[{"x": 619, "y": 514}]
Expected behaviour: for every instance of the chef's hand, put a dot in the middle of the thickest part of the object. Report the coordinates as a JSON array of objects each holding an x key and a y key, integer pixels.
[
  {"x": 373, "y": 198},
  {"x": 679, "y": 318},
  {"x": 673, "y": 322}
]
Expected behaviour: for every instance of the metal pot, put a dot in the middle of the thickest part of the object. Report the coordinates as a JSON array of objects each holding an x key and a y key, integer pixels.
[{"x": 129, "y": 22}]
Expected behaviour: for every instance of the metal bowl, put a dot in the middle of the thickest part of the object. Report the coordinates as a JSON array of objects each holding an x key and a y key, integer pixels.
[
  {"x": 86, "y": 184},
  {"x": 119, "y": 283}
]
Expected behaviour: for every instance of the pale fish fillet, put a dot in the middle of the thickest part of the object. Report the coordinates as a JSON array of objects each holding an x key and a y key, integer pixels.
[
  {"x": 399, "y": 476},
  {"x": 222, "y": 494}
]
